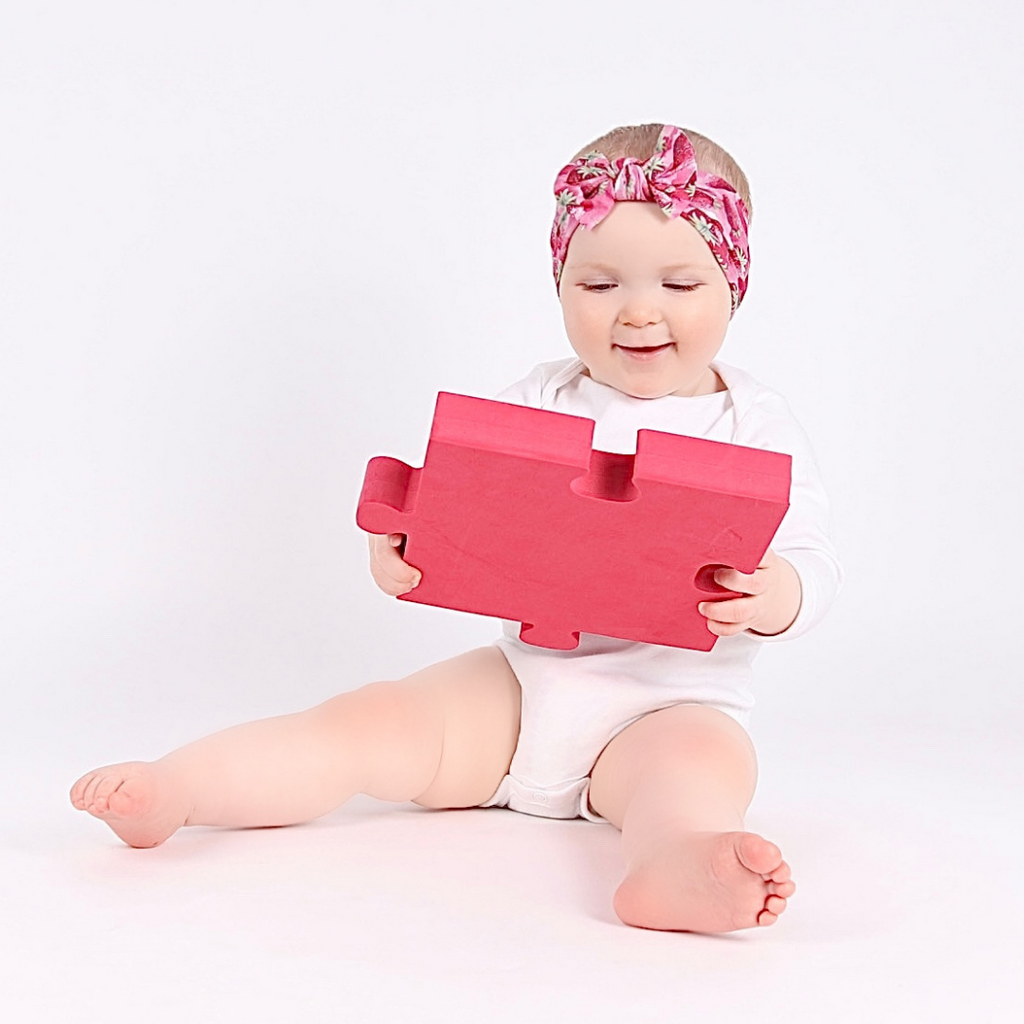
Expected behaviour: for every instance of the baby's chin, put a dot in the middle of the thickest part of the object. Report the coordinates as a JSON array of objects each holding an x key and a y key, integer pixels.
[
  {"x": 648, "y": 396},
  {"x": 653, "y": 385},
  {"x": 648, "y": 390},
  {"x": 653, "y": 390}
]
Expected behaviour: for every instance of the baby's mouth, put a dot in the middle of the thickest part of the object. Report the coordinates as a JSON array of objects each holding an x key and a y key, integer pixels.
[{"x": 643, "y": 351}]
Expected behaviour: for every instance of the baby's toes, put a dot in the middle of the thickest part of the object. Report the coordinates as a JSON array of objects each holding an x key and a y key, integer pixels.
[
  {"x": 780, "y": 873},
  {"x": 784, "y": 889},
  {"x": 78, "y": 791},
  {"x": 775, "y": 905},
  {"x": 89, "y": 790},
  {"x": 766, "y": 917},
  {"x": 108, "y": 785},
  {"x": 759, "y": 855}
]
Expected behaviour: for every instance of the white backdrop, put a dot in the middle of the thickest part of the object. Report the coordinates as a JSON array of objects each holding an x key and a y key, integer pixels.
[{"x": 242, "y": 246}]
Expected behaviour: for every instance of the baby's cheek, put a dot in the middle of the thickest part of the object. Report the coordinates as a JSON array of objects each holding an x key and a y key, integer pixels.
[{"x": 587, "y": 320}]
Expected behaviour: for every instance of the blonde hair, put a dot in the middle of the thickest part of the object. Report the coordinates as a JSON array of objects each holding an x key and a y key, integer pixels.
[{"x": 638, "y": 141}]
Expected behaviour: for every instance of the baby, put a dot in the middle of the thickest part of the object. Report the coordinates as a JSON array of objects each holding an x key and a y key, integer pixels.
[{"x": 649, "y": 738}]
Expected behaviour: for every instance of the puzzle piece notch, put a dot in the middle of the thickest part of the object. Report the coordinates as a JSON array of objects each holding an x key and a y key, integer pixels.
[
  {"x": 479, "y": 517},
  {"x": 609, "y": 477}
]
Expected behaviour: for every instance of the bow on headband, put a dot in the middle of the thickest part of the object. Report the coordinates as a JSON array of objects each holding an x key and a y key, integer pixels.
[{"x": 589, "y": 187}]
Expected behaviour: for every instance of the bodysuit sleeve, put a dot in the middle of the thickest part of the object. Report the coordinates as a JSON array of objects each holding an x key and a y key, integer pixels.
[
  {"x": 526, "y": 391},
  {"x": 804, "y": 537},
  {"x": 541, "y": 384}
]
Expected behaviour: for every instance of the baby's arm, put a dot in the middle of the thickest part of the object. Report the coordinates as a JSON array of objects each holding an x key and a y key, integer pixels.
[
  {"x": 390, "y": 571},
  {"x": 799, "y": 576}
]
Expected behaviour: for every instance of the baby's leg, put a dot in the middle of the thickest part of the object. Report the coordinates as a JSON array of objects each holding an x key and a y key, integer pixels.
[
  {"x": 677, "y": 783},
  {"x": 444, "y": 737}
]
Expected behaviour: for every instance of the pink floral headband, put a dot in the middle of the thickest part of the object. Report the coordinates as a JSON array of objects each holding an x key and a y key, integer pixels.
[{"x": 587, "y": 189}]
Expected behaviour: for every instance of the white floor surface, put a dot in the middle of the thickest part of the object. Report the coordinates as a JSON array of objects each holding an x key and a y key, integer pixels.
[{"x": 909, "y": 906}]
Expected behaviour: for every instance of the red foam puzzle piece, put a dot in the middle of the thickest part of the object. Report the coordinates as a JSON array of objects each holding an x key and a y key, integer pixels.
[{"x": 515, "y": 515}]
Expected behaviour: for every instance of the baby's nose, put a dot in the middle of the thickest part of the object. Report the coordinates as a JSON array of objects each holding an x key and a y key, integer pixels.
[{"x": 639, "y": 313}]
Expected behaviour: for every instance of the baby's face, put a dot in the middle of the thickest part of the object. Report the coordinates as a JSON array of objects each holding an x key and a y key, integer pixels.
[{"x": 645, "y": 304}]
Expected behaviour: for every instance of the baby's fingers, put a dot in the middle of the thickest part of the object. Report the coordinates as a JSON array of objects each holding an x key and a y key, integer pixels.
[
  {"x": 741, "y": 582},
  {"x": 390, "y": 571},
  {"x": 727, "y": 618}
]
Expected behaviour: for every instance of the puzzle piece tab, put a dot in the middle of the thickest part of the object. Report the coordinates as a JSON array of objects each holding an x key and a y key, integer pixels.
[{"x": 515, "y": 515}]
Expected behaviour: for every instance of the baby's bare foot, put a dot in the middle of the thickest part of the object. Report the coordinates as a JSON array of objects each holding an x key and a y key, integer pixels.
[
  {"x": 707, "y": 882},
  {"x": 138, "y": 800}
]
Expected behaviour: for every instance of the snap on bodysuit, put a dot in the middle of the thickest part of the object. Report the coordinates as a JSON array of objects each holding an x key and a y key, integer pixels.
[{"x": 575, "y": 702}]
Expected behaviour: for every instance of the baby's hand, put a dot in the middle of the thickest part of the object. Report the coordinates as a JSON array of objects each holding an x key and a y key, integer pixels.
[
  {"x": 771, "y": 603},
  {"x": 390, "y": 571}
]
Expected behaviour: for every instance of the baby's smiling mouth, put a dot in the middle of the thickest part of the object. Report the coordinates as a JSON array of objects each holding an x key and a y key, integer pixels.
[{"x": 639, "y": 351}]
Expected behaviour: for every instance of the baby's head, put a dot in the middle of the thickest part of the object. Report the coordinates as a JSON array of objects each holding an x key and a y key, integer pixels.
[
  {"x": 639, "y": 141},
  {"x": 649, "y": 285}
]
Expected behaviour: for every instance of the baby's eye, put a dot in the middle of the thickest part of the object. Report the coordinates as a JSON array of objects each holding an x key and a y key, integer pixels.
[
  {"x": 600, "y": 286},
  {"x": 674, "y": 286}
]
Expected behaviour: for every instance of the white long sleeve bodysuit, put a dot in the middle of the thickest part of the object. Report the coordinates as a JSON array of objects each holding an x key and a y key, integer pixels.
[{"x": 574, "y": 702}]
